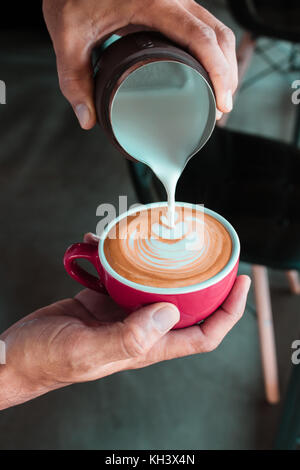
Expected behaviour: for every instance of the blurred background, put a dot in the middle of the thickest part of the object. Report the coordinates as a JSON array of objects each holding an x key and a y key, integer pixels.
[{"x": 53, "y": 176}]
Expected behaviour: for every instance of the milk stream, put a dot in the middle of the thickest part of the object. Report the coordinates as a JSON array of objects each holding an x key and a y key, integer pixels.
[{"x": 157, "y": 116}]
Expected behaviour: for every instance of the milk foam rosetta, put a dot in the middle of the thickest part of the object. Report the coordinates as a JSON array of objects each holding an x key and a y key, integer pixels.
[{"x": 144, "y": 249}]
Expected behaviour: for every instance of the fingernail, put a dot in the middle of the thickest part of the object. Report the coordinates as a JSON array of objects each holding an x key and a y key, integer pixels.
[
  {"x": 218, "y": 114},
  {"x": 228, "y": 100},
  {"x": 249, "y": 282},
  {"x": 165, "y": 318},
  {"x": 83, "y": 114}
]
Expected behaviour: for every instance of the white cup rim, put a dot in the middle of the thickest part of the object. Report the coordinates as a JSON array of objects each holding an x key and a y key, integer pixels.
[{"x": 173, "y": 290}]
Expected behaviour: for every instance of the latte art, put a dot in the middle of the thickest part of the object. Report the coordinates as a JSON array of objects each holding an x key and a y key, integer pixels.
[{"x": 144, "y": 249}]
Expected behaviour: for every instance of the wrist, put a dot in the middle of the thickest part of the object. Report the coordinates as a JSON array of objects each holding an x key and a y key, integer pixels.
[
  {"x": 15, "y": 386},
  {"x": 10, "y": 393}
]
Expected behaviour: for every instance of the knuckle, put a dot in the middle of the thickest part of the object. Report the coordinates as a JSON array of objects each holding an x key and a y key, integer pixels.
[
  {"x": 64, "y": 82},
  {"x": 199, "y": 344},
  {"x": 196, "y": 347},
  {"x": 211, "y": 345},
  {"x": 207, "y": 34},
  {"x": 64, "y": 85},
  {"x": 226, "y": 35},
  {"x": 66, "y": 42},
  {"x": 68, "y": 84},
  {"x": 134, "y": 341},
  {"x": 140, "y": 10},
  {"x": 221, "y": 70},
  {"x": 238, "y": 315},
  {"x": 235, "y": 316}
]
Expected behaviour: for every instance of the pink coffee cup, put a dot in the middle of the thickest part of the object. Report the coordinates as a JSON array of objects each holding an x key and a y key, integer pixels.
[{"x": 195, "y": 302}]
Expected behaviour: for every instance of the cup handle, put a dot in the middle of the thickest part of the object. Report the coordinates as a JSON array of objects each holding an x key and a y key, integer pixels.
[{"x": 83, "y": 251}]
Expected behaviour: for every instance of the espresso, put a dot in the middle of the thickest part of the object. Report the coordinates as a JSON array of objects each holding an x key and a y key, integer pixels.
[{"x": 144, "y": 249}]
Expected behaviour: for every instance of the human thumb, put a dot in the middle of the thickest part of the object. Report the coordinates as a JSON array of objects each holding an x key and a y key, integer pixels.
[
  {"x": 136, "y": 335},
  {"x": 76, "y": 83},
  {"x": 145, "y": 327}
]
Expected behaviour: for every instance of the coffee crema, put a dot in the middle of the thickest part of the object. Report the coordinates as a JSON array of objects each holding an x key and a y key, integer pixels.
[{"x": 144, "y": 249}]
